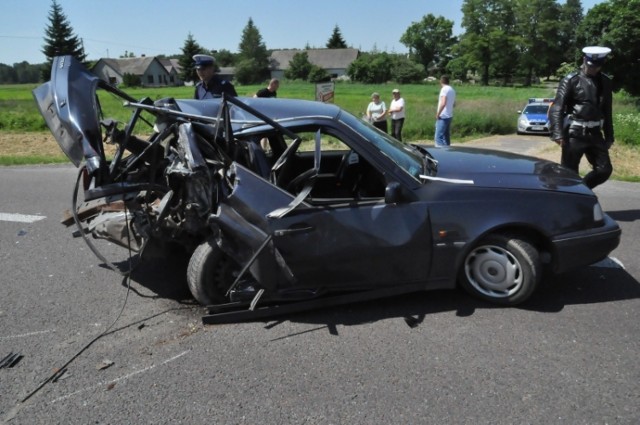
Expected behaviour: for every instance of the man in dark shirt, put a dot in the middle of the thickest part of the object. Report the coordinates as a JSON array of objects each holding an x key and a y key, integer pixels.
[
  {"x": 270, "y": 91},
  {"x": 580, "y": 117},
  {"x": 210, "y": 85}
]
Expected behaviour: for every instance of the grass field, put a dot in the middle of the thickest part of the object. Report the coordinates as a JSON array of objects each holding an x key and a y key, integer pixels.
[{"x": 479, "y": 111}]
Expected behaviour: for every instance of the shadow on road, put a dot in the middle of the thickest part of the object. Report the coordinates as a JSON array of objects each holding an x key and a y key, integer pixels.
[
  {"x": 626, "y": 215},
  {"x": 166, "y": 278},
  {"x": 586, "y": 286},
  {"x": 589, "y": 285}
]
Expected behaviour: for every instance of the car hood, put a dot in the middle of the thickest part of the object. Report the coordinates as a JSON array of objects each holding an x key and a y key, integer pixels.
[{"x": 505, "y": 170}]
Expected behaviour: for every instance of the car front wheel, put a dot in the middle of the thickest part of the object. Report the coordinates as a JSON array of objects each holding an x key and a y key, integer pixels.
[
  {"x": 210, "y": 273},
  {"x": 501, "y": 269}
]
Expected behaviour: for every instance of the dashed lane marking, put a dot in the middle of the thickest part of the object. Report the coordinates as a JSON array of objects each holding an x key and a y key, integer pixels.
[{"x": 21, "y": 218}]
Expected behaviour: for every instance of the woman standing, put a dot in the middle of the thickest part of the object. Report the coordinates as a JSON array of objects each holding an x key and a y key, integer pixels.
[
  {"x": 396, "y": 109},
  {"x": 377, "y": 112}
]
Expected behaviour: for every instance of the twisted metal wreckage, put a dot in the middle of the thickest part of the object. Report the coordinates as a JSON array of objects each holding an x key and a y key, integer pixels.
[{"x": 270, "y": 232}]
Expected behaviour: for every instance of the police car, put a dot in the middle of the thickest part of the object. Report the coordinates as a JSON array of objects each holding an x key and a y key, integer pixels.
[{"x": 534, "y": 119}]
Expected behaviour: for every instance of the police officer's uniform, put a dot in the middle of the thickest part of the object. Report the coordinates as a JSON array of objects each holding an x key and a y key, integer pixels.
[
  {"x": 215, "y": 86},
  {"x": 581, "y": 117}
]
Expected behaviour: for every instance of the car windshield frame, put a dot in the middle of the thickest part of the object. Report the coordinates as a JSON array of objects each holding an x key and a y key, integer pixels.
[{"x": 406, "y": 157}]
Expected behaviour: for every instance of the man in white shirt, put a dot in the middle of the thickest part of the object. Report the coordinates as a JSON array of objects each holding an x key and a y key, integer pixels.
[
  {"x": 444, "y": 112},
  {"x": 396, "y": 110}
]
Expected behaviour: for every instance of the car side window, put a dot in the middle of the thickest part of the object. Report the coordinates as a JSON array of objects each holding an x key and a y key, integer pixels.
[
  {"x": 344, "y": 174},
  {"x": 328, "y": 142}
]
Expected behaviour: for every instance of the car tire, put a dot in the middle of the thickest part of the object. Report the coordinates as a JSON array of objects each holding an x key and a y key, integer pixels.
[
  {"x": 210, "y": 273},
  {"x": 501, "y": 269}
]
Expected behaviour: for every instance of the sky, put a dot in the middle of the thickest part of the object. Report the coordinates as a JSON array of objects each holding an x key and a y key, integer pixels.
[{"x": 109, "y": 28}]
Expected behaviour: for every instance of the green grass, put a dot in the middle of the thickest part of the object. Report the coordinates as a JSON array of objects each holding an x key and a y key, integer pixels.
[{"x": 479, "y": 111}]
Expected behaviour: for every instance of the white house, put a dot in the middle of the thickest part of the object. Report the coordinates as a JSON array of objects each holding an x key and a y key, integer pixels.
[
  {"x": 152, "y": 71},
  {"x": 334, "y": 61}
]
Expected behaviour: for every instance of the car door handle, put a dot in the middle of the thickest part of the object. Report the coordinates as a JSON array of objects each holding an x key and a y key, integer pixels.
[{"x": 290, "y": 231}]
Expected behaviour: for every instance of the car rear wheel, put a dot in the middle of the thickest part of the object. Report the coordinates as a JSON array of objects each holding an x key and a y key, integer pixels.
[
  {"x": 210, "y": 273},
  {"x": 501, "y": 269}
]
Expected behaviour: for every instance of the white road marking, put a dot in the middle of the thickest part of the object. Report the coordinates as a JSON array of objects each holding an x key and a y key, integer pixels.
[
  {"x": 27, "y": 334},
  {"x": 609, "y": 263},
  {"x": 122, "y": 378},
  {"x": 21, "y": 218}
]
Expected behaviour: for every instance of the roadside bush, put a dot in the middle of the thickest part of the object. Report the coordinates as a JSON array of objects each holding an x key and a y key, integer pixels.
[
  {"x": 299, "y": 67},
  {"x": 318, "y": 75},
  {"x": 626, "y": 128},
  {"x": 130, "y": 80},
  {"x": 407, "y": 72}
]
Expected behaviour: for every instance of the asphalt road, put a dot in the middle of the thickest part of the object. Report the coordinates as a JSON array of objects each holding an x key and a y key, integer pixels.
[{"x": 570, "y": 355}]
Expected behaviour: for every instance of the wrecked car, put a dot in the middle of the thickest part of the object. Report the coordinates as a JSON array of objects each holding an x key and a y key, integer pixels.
[{"x": 290, "y": 202}]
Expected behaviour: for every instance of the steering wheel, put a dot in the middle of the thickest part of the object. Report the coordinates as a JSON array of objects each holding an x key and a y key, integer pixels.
[
  {"x": 296, "y": 185},
  {"x": 277, "y": 175}
]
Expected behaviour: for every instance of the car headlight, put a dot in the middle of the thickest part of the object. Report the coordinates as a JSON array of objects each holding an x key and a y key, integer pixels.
[
  {"x": 598, "y": 215},
  {"x": 524, "y": 121}
]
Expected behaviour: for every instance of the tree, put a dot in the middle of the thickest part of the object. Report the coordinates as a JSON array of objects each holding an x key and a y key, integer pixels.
[
  {"x": 570, "y": 17},
  {"x": 489, "y": 44},
  {"x": 457, "y": 68},
  {"x": 224, "y": 57},
  {"x": 539, "y": 26},
  {"x": 429, "y": 41},
  {"x": 378, "y": 68},
  {"x": 27, "y": 73},
  {"x": 7, "y": 74},
  {"x": 59, "y": 39},
  {"x": 299, "y": 67},
  {"x": 336, "y": 41},
  {"x": 615, "y": 24},
  {"x": 190, "y": 48},
  {"x": 253, "y": 58}
]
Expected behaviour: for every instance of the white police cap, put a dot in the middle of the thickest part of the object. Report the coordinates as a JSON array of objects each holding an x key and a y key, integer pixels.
[
  {"x": 595, "y": 55},
  {"x": 203, "y": 60}
]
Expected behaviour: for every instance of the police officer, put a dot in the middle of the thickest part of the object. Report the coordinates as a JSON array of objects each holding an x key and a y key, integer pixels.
[
  {"x": 580, "y": 117},
  {"x": 210, "y": 85}
]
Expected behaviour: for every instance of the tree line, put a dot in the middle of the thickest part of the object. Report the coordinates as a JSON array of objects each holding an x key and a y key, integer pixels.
[{"x": 504, "y": 42}]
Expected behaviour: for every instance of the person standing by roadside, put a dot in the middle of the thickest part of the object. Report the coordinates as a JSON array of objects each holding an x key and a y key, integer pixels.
[
  {"x": 210, "y": 85},
  {"x": 580, "y": 119},
  {"x": 397, "y": 112},
  {"x": 377, "y": 112},
  {"x": 270, "y": 91},
  {"x": 444, "y": 112}
]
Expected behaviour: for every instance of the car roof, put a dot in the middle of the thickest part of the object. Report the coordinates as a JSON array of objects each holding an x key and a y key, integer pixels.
[{"x": 276, "y": 109}]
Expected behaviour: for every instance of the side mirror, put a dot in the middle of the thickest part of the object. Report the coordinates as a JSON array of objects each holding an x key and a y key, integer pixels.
[{"x": 393, "y": 193}]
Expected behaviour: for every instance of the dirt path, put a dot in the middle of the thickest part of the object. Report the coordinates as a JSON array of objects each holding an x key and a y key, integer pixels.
[{"x": 28, "y": 144}]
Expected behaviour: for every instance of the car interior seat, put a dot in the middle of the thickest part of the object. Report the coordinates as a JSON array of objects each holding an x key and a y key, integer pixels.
[{"x": 257, "y": 160}]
